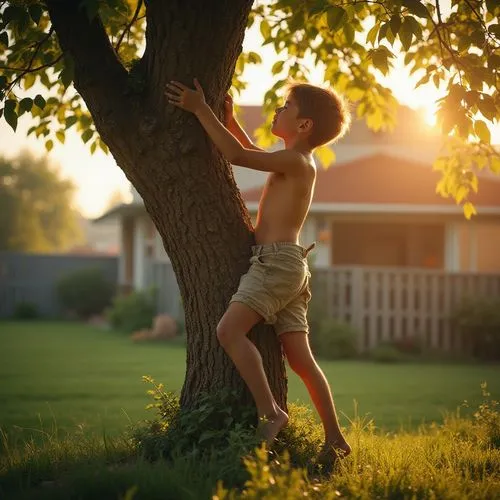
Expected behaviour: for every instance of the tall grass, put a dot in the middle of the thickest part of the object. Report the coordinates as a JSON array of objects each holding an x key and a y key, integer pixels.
[{"x": 457, "y": 459}]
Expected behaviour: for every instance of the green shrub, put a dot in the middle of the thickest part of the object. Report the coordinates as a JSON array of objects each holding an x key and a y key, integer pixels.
[
  {"x": 334, "y": 339},
  {"x": 26, "y": 310},
  {"x": 477, "y": 321},
  {"x": 220, "y": 432},
  {"x": 216, "y": 429},
  {"x": 386, "y": 352},
  {"x": 133, "y": 312},
  {"x": 85, "y": 292}
]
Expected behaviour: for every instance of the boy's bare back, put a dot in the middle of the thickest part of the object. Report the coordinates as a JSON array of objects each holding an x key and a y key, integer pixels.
[{"x": 284, "y": 205}]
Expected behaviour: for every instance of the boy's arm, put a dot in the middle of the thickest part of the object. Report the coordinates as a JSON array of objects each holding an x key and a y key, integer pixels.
[
  {"x": 235, "y": 128},
  {"x": 278, "y": 161},
  {"x": 284, "y": 161}
]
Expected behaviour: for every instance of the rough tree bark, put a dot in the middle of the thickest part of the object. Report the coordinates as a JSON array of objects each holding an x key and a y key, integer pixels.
[{"x": 187, "y": 187}]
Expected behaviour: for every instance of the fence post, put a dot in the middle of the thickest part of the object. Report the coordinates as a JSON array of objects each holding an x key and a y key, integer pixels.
[{"x": 357, "y": 304}]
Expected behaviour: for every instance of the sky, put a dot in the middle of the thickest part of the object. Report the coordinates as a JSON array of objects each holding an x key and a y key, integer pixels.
[{"x": 97, "y": 176}]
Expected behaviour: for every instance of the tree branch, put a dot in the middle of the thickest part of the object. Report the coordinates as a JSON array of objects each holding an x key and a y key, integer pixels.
[
  {"x": 33, "y": 70},
  {"x": 99, "y": 77},
  {"x": 129, "y": 25},
  {"x": 29, "y": 69}
]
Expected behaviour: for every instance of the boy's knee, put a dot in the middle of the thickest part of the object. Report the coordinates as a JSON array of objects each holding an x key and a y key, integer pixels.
[
  {"x": 223, "y": 334},
  {"x": 228, "y": 333}
]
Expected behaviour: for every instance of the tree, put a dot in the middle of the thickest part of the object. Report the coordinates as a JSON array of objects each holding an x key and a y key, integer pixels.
[
  {"x": 35, "y": 206},
  {"x": 119, "y": 54}
]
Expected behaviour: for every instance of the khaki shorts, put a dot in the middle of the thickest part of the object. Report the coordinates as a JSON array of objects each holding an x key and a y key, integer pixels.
[{"x": 276, "y": 286}]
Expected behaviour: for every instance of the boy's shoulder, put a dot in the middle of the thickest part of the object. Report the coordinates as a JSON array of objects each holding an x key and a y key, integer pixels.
[{"x": 306, "y": 159}]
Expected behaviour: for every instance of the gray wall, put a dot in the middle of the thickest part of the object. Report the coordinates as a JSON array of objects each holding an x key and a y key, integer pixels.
[{"x": 33, "y": 278}]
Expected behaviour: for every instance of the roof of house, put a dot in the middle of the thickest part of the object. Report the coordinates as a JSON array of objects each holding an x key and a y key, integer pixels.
[{"x": 385, "y": 179}]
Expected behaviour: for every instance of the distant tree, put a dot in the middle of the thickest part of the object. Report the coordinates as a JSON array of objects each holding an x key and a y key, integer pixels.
[{"x": 35, "y": 206}]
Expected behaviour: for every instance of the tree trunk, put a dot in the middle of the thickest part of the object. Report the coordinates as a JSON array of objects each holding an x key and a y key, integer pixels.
[{"x": 187, "y": 187}]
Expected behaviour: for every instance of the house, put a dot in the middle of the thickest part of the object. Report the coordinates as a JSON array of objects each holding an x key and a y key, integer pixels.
[
  {"x": 374, "y": 210},
  {"x": 97, "y": 239}
]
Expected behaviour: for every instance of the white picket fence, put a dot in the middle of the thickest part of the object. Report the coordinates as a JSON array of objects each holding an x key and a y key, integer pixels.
[
  {"x": 381, "y": 303},
  {"x": 394, "y": 303}
]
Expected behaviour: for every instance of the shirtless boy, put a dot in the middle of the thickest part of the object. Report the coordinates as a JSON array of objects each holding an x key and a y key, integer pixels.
[{"x": 276, "y": 287}]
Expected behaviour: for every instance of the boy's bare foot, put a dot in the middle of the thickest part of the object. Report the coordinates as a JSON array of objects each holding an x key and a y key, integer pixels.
[
  {"x": 330, "y": 452},
  {"x": 270, "y": 425}
]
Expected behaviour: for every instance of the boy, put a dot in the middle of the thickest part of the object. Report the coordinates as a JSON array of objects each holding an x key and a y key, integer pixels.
[{"x": 276, "y": 287}]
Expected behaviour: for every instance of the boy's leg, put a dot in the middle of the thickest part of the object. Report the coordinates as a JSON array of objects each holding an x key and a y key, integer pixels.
[
  {"x": 232, "y": 334},
  {"x": 301, "y": 360}
]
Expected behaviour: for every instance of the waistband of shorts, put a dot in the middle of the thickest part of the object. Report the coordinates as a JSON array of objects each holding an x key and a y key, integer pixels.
[{"x": 276, "y": 246}]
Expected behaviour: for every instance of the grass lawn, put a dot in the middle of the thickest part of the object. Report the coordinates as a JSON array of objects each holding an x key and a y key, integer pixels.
[
  {"x": 72, "y": 375},
  {"x": 78, "y": 378}
]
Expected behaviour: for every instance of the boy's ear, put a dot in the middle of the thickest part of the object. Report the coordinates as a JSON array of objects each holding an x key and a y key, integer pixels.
[{"x": 306, "y": 125}]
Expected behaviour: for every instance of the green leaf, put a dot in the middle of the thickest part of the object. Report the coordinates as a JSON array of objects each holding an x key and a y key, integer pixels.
[
  {"x": 35, "y": 12},
  {"x": 389, "y": 35},
  {"x": 4, "y": 39},
  {"x": 49, "y": 145},
  {"x": 379, "y": 58},
  {"x": 265, "y": 29},
  {"x": 61, "y": 136},
  {"x": 326, "y": 156},
  {"x": 464, "y": 42},
  {"x": 10, "y": 113},
  {"x": 93, "y": 147},
  {"x": 415, "y": 26},
  {"x": 482, "y": 131},
  {"x": 469, "y": 210},
  {"x": 336, "y": 17},
  {"x": 29, "y": 80},
  {"x": 416, "y": 8},
  {"x": 494, "y": 29},
  {"x": 395, "y": 24},
  {"x": 423, "y": 80},
  {"x": 12, "y": 13},
  {"x": 103, "y": 146},
  {"x": 70, "y": 121},
  {"x": 495, "y": 164},
  {"x": 68, "y": 72},
  {"x": 25, "y": 105},
  {"x": 39, "y": 101},
  {"x": 487, "y": 106},
  {"x": 277, "y": 67},
  {"x": 372, "y": 34},
  {"x": 86, "y": 136},
  {"x": 254, "y": 58},
  {"x": 472, "y": 97},
  {"x": 461, "y": 194},
  {"x": 383, "y": 31},
  {"x": 492, "y": 6},
  {"x": 3, "y": 81},
  {"x": 473, "y": 181},
  {"x": 349, "y": 33},
  {"x": 494, "y": 62}
]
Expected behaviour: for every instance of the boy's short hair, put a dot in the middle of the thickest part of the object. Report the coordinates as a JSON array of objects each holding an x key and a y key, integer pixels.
[{"x": 327, "y": 109}]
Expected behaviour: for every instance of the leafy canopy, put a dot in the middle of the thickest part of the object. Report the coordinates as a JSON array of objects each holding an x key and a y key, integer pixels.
[{"x": 457, "y": 51}]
